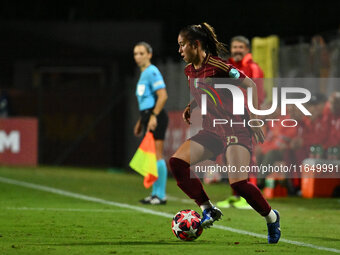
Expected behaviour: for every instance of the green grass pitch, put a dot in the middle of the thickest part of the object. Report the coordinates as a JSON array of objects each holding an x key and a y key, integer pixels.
[{"x": 39, "y": 220}]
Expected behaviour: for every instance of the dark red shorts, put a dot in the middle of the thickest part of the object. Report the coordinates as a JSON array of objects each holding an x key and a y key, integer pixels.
[{"x": 218, "y": 144}]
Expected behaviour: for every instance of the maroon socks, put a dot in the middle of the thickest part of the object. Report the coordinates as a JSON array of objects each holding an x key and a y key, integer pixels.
[
  {"x": 253, "y": 195},
  {"x": 191, "y": 185}
]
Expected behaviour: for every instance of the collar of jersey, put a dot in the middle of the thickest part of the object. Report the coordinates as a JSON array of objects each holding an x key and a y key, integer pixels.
[{"x": 205, "y": 61}]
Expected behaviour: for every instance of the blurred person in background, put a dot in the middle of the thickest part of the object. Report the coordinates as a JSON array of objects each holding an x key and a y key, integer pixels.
[
  {"x": 320, "y": 61},
  {"x": 292, "y": 147},
  {"x": 313, "y": 130},
  {"x": 152, "y": 96},
  {"x": 332, "y": 111},
  {"x": 309, "y": 139},
  {"x": 242, "y": 59},
  {"x": 316, "y": 128}
]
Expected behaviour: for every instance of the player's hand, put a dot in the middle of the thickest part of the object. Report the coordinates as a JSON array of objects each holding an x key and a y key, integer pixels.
[
  {"x": 257, "y": 132},
  {"x": 186, "y": 114},
  {"x": 138, "y": 129},
  {"x": 152, "y": 123}
]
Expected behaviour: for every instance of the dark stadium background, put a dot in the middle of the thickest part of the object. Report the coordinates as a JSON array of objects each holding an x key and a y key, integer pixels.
[{"x": 83, "y": 112}]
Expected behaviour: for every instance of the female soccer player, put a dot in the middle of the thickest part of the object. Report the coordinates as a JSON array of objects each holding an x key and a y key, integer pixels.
[
  {"x": 152, "y": 95},
  {"x": 198, "y": 45}
]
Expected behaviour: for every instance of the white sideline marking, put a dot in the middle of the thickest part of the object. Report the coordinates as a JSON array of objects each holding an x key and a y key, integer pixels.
[
  {"x": 144, "y": 210},
  {"x": 64, "y": 209},
  {"x": 82, "y": 197}
]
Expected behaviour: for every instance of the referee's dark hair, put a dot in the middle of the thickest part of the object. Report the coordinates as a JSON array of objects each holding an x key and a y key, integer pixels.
[{"x": 146, "y": 45}]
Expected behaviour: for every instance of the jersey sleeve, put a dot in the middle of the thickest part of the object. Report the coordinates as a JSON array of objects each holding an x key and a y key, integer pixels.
[
  {"x": 228, "y": 70},
  {"x": 156, "y": 80},
  {"x": 235, "y": 73}
]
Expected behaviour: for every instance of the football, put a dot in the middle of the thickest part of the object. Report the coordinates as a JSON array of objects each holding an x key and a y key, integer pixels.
[{"x": 186, "y": 225}]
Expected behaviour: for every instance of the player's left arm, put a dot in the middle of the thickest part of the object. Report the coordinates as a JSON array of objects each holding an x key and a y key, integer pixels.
[{"x": 249, "y": 83}]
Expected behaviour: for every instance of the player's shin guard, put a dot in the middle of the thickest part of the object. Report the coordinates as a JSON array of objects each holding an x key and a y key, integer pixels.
[
  {"x": 253, "y": 195},
  {"x": 191, "y": 185}
]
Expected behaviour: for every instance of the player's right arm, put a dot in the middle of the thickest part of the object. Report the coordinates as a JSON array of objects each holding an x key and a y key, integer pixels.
[
  {"x": 186, "y": 113},
  {"x": 192, "y": 105}
]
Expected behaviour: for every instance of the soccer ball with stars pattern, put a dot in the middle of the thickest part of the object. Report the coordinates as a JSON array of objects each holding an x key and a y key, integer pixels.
[{"x": 186, "y": 225}]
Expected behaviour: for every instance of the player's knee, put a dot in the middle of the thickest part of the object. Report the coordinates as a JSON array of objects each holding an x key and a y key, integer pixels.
[
  {"x": 239, "y": 186},
  {"x": 173, "y": 164},
  {"x": 182, "y": 154},
  {"x": 179, "y": 167}
]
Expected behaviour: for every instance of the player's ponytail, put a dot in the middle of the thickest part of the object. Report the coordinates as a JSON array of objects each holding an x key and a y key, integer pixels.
[
  {"x": 206, "y": 35},
  {"x": 213, "y": 45}
]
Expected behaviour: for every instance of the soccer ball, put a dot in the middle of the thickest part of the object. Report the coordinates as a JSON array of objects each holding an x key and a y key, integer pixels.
[{"x": 186, "y": 225}]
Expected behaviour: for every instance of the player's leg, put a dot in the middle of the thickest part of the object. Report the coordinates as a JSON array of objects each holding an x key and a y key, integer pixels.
[
  {"x": 190, "y": 152},
  {"x": 193, "y": 152},
  {"x": 239, "y": 156}
]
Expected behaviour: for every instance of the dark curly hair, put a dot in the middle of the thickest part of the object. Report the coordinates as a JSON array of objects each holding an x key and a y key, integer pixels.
[{"x": 206, "y": 35}]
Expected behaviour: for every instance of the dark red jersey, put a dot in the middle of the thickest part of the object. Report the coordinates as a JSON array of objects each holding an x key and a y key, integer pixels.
[
  {"x": 219, "y": 101},
  {"x": 213, "y": 67}
]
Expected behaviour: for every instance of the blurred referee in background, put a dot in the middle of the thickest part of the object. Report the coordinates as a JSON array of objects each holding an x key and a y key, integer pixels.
[{"x": 152, "y": 96}]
